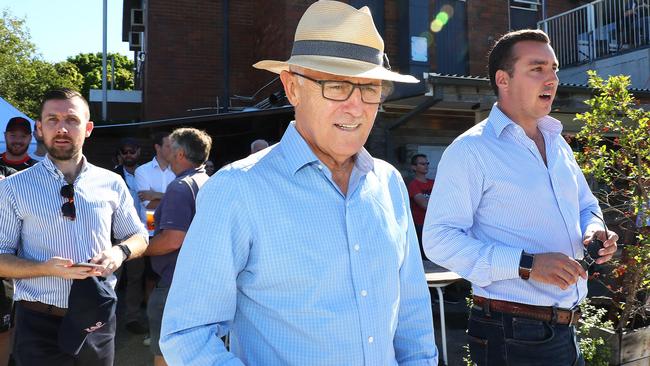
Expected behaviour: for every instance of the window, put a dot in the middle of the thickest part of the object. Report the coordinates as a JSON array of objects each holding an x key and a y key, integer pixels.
[{"x": 523, "y": 14}]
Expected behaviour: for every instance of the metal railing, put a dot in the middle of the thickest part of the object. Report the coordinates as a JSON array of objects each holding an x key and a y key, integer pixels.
[{"x": 598, "y": 29}]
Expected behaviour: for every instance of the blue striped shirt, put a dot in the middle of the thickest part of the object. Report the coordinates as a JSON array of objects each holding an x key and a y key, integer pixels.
[
  {"x": 299, "y": 273},
  {"x": 32, "y": 225},
  {"x": 494, "y": 197}
]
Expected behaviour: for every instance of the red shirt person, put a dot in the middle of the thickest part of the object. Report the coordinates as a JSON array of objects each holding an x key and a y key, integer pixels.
[
  {"x": 419, "y": 191},
  {"x": 18, "y": 135}
]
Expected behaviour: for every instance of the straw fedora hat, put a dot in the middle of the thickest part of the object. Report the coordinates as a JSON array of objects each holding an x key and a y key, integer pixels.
[{"x": 338, "y": 39}]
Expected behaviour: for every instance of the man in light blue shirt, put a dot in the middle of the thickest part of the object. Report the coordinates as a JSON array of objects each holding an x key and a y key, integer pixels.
[
  {"x": 513, "y": 213},
  {"x": 306, "y": 252}
]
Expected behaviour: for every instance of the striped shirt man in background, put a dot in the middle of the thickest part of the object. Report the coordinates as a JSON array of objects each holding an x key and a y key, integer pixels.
[{"x": 53, "y": 216}]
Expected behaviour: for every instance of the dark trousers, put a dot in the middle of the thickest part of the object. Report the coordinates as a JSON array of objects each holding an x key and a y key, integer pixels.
[
  {"x": 36, "y": 342},
  {"x": 418, "y": 231},
  {"x": 499, "y": 339}
]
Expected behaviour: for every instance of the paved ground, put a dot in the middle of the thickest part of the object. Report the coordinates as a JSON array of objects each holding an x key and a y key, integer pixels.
[{"x": 131, "y": 352}]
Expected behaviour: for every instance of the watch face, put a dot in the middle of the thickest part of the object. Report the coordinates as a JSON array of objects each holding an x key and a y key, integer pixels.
[
  {"x": 525, "y": 265},
  {"x": 526, "y": 261}
]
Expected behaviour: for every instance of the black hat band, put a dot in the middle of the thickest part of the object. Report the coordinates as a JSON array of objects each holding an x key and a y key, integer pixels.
[{"x": 338, "y": 49}]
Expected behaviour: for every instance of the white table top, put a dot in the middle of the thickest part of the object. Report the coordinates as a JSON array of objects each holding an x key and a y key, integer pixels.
[{"x": 436, "y": 274}]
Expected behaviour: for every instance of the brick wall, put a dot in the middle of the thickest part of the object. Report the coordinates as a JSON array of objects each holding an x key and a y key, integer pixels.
[
  {"x": 182, "y": 67},
  {"x": 554, "y": 7},
  {"x": 487, "y": 20}
]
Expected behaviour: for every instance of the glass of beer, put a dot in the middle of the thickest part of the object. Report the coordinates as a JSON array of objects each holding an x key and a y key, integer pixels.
[{"x": 151, "y": 226}]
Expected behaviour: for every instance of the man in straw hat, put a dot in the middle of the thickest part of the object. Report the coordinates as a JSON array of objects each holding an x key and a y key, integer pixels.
[{"x": 306, "y": 253}]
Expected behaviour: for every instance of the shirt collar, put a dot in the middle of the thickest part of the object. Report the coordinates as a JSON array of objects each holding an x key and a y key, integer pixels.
[
  {"x": 298, "y": 153},
  {"x": 54, "y": 170},
  {"x": 499, "y": 121},
  {"x": 155, "y": 163},
  {"x": 190, "y": 171}
]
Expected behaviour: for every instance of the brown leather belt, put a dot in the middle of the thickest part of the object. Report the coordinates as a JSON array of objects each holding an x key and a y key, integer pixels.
[
  {"x": 43, "y": 308},
  {"x": 543, "y": 313}
]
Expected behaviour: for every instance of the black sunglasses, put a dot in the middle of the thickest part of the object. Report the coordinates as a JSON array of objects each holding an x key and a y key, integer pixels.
[
  {"x": 590, "y": 252},
  {"x": 67, "y": 209}
]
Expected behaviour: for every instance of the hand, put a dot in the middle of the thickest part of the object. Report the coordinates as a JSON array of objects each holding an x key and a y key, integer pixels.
[
  {"x": 149, "y": 195},
  {"x": 609, "y": 244},
  {"x": 62, "y": 267},
  {"x": 556, "y": 269},
  {"x": 111, "y": 259}
]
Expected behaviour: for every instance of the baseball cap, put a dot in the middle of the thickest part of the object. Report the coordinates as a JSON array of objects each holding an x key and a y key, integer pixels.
[
  {"x": 129, "y": 141},
  {"x": 91, "y": 305},
  {"x": 18, "y": 122}
]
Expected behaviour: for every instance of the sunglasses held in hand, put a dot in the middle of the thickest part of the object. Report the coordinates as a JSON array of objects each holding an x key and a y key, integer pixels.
[{"x": 591, "y": 250}]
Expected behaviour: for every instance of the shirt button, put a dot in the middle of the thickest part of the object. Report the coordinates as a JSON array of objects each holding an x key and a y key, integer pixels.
[
  {"x": 320, "y": 167},
  {"x": 356, "y": 247},
  {"x": 364, "y": 293},
  {"x": 371, "y": 339}
]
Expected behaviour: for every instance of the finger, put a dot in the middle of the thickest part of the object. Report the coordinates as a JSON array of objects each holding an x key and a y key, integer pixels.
[
  {"x": 559, "y": 282},
  {"x": 577, "y": 269},
  {"x": 565, "y": 276},
  {"x": 610, "y": 250},
  {"x": 603, "y": 259},
  {"x": 97, "y": 258}
]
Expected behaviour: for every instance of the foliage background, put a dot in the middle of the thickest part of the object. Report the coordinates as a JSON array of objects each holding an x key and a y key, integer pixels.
[{"x": 25, "y": 76}]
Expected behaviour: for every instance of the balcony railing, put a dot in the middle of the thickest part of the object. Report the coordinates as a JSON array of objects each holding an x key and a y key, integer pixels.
[{"x": 598, "y": 29}]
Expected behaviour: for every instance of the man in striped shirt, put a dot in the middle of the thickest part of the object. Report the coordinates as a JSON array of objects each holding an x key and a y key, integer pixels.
[
  {"x": 54, "y": 216},
  {"x": 513, "y": 214}
]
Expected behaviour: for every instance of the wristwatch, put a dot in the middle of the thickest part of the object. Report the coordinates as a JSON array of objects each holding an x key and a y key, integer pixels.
[
  {"x": 526, "y": 265},
  {"x": 125, "y": 249}
]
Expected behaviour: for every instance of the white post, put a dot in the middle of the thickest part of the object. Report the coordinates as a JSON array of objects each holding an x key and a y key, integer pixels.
[
  {"x": 104, "y": 41},
  {"x": 591, "y": 28}
]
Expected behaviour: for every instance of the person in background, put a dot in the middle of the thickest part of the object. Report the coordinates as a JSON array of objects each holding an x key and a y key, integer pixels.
[
  {"x": 419, "y": 192},
  {"x": 129, "y": 154},
  {"x": 258, "y": 145},
  {"x": 152, "y": 179},
  {"x": 6, "y": 301},
  {"x": 41, "y": 150},
  {"x": 209, "y": 168},
  {"x": 306, "y": 254},
  {"x": 189, "y": 150},
  {"x": 18, "y": 135}
]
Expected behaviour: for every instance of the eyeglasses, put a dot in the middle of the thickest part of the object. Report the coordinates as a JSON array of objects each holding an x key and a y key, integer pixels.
[
  {"x": 128, "y": 152},
  {"x": 590, "y": 252},
  {"x": 67, "y": 209},
  {"x": 341, "y": 90}
]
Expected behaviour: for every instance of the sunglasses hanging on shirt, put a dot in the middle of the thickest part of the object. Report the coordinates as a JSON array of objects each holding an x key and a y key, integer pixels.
[{"x": 67, "y": 209}]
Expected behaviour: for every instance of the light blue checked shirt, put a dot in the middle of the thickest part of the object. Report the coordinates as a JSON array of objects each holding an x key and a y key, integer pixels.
[
  {"x": 494, "y": 197},
  {"x": 32, "y": 226},
  {"x": 298, "y": 273}
]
